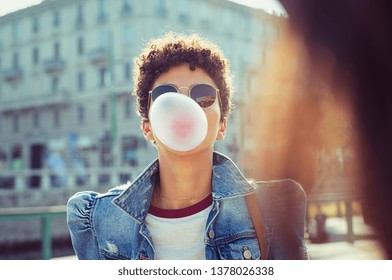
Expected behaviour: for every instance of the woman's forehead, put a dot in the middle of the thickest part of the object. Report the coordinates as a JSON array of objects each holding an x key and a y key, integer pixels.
[{"x": 183, "y": 76}]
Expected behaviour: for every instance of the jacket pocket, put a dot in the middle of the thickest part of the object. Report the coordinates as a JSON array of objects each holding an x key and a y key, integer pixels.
[
  {"x": 239, "y": 249},
  {"x": 105, "y": 255}
]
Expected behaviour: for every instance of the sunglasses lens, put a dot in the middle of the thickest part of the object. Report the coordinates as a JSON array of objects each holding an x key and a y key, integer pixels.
[
  {"x": 161, "y": 90},
  {"x": 204, "y": 95}
]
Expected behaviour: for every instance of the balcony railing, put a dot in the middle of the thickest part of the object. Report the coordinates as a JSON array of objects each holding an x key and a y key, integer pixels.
[
  {"x": 98, "y": 56},
  {"x": 13, "y": 75},
  {"x": 54, "y": 65},
  {"x": 60, "y": 97},
  {"x": 44, "y": 213},
  {"x": 46, "y": 179}
]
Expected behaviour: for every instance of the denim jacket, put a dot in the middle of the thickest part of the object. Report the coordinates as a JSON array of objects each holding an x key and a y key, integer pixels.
[{"x": 112, "y": 225}]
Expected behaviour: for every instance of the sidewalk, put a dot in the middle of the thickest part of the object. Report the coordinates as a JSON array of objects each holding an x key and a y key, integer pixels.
[{"x": 365, "y": 247}]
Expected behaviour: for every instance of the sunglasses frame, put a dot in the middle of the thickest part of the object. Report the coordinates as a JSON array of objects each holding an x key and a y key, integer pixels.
[{"x": 187, "y": 93}]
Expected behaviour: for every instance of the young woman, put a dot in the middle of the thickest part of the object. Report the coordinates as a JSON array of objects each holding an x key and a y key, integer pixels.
[{"x": 191, "y": 202}]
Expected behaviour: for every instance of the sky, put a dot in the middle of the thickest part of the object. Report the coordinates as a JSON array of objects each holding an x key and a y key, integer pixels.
[
  {"x": 270, "y": 6},
  {"x": 8, "y": 6}
]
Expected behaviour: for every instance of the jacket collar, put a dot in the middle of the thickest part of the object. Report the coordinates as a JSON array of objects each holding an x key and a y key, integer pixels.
[{"x": 227, "y": 182}]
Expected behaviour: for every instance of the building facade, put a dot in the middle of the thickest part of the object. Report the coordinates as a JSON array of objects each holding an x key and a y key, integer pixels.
[{"x": 66, "y": 77}]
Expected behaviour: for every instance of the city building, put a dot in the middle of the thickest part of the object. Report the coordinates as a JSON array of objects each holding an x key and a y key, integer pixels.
[{"x": 66, "y": 114}]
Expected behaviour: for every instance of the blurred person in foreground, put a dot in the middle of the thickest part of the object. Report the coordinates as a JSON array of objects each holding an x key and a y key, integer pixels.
[
  {"x": 343, "y": 63},
  {"x": 191, "y": 202}
]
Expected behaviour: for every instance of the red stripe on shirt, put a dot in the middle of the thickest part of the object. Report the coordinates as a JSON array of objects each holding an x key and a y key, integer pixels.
[{"x": 183, "y": 212}]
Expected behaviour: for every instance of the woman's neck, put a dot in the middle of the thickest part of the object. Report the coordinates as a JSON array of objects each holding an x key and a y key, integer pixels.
[{"x": 184, "y": 180}]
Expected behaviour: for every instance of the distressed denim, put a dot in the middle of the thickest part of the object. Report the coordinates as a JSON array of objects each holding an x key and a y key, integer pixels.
[{"x": 112, "y": 225}]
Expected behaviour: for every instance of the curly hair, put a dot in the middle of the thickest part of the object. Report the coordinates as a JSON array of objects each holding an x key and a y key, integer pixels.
[{"x": 173, "y": 49}]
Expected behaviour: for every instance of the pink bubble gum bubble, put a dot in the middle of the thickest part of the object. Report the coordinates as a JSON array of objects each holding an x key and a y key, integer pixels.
[{"x": 178, "y": 121}]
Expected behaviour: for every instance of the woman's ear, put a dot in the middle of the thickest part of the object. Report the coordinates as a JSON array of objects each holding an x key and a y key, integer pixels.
[
  {"x": 147, "y": 132},
  {"x": 222, "y": 130}
]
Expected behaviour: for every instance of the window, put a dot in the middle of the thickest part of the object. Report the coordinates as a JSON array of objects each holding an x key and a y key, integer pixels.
[
  {"x": 55, "y": 84},
  {"x": 80, "y": 80},
  {"x": 35, "y": 25},
  {"x": 184, "y": 10},
  {"x": 204, "y": 12},
  {"x": 15, "y": 31},
  {"x": 79, "y": 15},
  {"x": 80, "y": 45},
  {"x": 56, "y": 118},
  {"x": 127, "y": 71},
  {"x": 56, "y": 50},
  {"x": 126, "y": 34},
  {"x": 161, "y": 7},
  {"x": 106, "y": 141},
  {"x": 103, "y": 39},
  {"x": 103, "y": 111},
  {"x": 247, "y": 25},
  {"x": 80, "y": 114},
  {"x": 36, "y": 119},
  {"x": 227, "y": 17},
  {"x": 15, "y": 61},
  {"x": 128, "y": 109},
  {"x": 35, "y": 55},
  {"x": 101, "y": 77},
  {"x": 103, "y": 8},
  {"x": 56, "y": 18},
  {"x": 130, "y": 146},
  {"x": 15, "y": 123},
  {"x": 126, "y": 6},
  {"x": 17, "y": 157}
]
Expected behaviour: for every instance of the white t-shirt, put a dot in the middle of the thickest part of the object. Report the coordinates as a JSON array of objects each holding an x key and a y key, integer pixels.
[{"x": 179, "y": 234}]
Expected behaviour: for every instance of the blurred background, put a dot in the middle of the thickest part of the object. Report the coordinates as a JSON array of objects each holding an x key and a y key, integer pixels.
[{"x": 68, "y": 123}]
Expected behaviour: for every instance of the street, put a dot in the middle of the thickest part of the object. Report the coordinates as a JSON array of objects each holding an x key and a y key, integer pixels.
[{"x": 364, "y": 248}]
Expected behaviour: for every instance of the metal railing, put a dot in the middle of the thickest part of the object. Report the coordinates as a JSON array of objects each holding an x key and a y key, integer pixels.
[
  {"x": 45, "y": 214},
  {"x": 44, "y": 179},
  {"x": 348, "y": 198}
]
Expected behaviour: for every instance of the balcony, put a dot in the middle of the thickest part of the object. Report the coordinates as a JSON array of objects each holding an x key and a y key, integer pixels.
[
  {"x": 54, "y": 66},
  {"x": 99, "y": 56},
  {"x": 59, "y": 98},
  {"x": 72, "y": 179},
  {"x": 13, "y": 75}
]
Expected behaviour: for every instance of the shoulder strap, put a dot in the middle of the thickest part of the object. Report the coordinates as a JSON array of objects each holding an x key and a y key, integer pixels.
[{"x": 258, "y": 223}]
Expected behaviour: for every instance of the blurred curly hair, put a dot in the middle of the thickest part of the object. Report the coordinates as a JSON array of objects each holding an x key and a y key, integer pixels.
[{"x": 174, "y": 49}]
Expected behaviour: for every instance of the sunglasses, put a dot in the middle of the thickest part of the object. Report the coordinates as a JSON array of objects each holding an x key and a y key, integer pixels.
[{"x": 204, "y": 94}]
